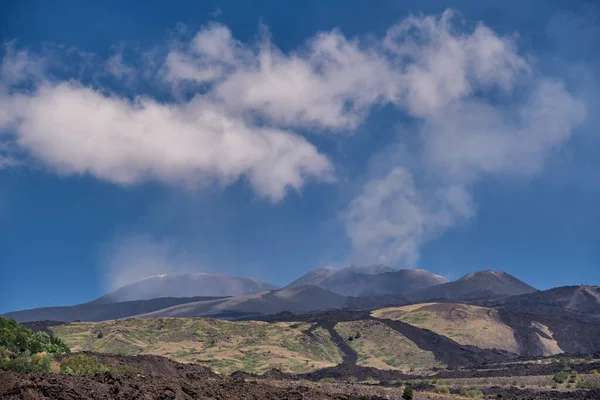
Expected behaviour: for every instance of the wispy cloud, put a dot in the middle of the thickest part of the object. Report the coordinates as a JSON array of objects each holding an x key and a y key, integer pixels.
[
  {"x": 8, "y": 156},
  {"x": 117, "y": 67},
  {"x": 129, "y": 258},
  {"x": 483, "y": 110},
  {"x": 392, "y": 218}
]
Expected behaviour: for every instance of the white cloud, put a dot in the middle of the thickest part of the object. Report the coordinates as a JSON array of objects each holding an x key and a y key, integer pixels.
[
  {"x": 19, "y": 66},
  {"x": 7, "y": 161},
  {"x": 442, "y": 63},
  {"x": 391, "y": 218},
  {"x": 117, "y": 67},
  {"x": 207, "y": 57},
  {"x": 482, "y": 108},
  {"x": 331, "y": 85},
  {"x": 482, "y": 111},
  {"x": 79, "y": 130},
  {"x": 475, "y": 137}
]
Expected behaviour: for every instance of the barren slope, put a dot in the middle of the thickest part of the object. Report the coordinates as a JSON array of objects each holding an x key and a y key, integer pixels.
[{"x": 465, "y": 324}]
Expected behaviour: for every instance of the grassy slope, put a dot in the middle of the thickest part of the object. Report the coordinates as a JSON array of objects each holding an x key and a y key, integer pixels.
[
  {"x": 381, "y": 347},
  {"x": 224, "y": 346},
  {"x": 465, "y": 324}
]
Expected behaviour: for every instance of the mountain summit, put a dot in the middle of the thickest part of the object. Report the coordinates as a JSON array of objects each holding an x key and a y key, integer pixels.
[
  {"x": 374, "y": 280},
  {"x": 481, "y": 284},
  {"x": 188, "y": 285}
]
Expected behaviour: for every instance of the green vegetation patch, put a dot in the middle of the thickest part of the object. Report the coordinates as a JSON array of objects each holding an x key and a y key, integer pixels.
[
  {"x": 81, "y": 364},
  {"x": 22, "y": 341},
  {"x": 23, "y": 350}
]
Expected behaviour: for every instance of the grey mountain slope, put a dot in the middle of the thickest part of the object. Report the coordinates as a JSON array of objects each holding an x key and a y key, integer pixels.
[
  {"x": 369, "y": 281},
  {"x": 95, "y": 311},
  {"x": 581, "y": 300},
  {"x": 314, "y": 277},
  {"x": 189, "y": 285},
  {"x": 296, "y": 300},
  {"x": 481, "y": 284}
]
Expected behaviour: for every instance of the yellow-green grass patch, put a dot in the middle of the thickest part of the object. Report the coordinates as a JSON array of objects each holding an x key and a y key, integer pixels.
[
  {"x": 225, "y": 346},
  {"x": 381, "y": 347},
  {"x": 465, "y": 324}
]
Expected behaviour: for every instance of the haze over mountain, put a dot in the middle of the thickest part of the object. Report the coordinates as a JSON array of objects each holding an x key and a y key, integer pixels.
[
  {"x": 374, "y": 280},
  {"x": 189, "y": 285},
  {"x": 482, "y": 284}
]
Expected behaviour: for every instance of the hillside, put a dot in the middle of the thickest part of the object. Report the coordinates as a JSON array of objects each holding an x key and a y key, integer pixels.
[
  {"x": 297, "y": 300},
  {"x": 294, "y": 343},
  {"x": 189, "y": 285},
  {"x": 527, "y": 333},
  {"x": 375, "y": 280},
  {"x": 99, "y": 311},
  {"x": 582, "y": 301},
  {"x": 465, "y": 324},
  {"x": 222, "y": 345},
  {"x": 379, "y": 346},
  {"x": 477, "y": 285}
]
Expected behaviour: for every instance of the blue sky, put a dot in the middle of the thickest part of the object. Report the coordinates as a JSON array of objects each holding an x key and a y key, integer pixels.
[{"x": 269, "y": 139}]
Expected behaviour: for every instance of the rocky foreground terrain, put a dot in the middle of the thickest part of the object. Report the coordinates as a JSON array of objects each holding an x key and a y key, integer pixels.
[{"x": 152, "y": 377}]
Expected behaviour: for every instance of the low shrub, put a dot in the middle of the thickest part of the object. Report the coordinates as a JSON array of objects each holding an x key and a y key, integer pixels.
[
  {"x": 36, "y": 363},
  {"x": 561, "y": 377},
  {"x": 408, "y": 393},
  {"x": 327, "y": 380},
  {"x": 585, "y": 384},
  {"x": 81, "y": 364},
  {"x": 473, "y": 393},
  {"x": 442, "y": 390},
  {"x": 4, "y": 353}
]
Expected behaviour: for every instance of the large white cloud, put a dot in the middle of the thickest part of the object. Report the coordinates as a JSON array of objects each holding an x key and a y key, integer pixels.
[
  {"x": 482, "y": 109},
  {"x": 76, "y": 129}
]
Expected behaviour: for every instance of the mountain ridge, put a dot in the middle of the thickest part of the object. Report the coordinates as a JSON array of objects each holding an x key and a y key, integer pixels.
[
  {"x": 379, "y": 286},
  {"x": 375, "y": 280},
  {"x": 485, "y": 283}
]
